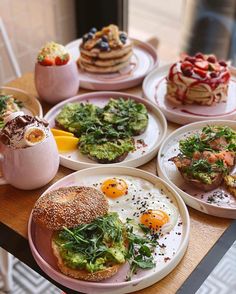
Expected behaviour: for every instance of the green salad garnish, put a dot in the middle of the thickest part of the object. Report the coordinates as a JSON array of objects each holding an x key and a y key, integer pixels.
[
  {"x": 105, "y": 133},
  {"x": 104, "y": 242},
  {"x": 202, "y": 141},
  {"x": 8, "y": 102}
]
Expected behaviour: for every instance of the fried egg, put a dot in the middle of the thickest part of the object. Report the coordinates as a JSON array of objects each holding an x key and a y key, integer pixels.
[{"x": 137, "y": 199}]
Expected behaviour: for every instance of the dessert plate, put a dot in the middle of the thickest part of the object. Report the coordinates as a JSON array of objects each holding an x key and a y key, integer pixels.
[
  {"x": 154, "y": 88},
  {"x": 142, "y": 62},
  {"x": 217, "y": 202},
  {"x": 30, "y": 104},
  {"x": 175, "y": 242},
  {"x": 144, "y": 152}
]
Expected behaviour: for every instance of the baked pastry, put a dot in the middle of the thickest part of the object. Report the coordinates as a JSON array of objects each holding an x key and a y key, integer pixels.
[
  {"x": 105, "y": 51},
  {"x": 201, "y": 79}
]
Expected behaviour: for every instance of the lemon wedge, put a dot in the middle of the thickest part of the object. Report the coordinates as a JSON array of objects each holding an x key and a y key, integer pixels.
[
  {"x": 66, "y": 143},
  {"x": 57, "y": 132}
]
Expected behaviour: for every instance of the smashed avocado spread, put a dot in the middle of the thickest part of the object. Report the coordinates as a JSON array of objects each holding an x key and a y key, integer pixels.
[
  {"x": 78, "y": 117},
  {"x": 105, "y": 133},
  {"x": 107, "y": 151},
  {"x": 128, "y": 114},
  {"x": 104, "y": 242},
  {"x": 93, "y": 246}
]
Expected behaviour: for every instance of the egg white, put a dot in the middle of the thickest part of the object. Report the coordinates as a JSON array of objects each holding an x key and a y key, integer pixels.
[{"x": 142, "y": 196}]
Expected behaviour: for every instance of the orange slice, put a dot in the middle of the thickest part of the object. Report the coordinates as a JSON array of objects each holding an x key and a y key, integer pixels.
[
  {"x": 66, "y": 143},
  {"x": 57, "y": 132}
]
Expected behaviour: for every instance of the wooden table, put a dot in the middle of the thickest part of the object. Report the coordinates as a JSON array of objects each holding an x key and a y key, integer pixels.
[{"x": 16, "y": 206}]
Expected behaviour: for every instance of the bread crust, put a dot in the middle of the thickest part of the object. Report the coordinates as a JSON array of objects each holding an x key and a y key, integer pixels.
[
  {"x": 69, "y": 207},
  {"x": 83, "y": 274}
]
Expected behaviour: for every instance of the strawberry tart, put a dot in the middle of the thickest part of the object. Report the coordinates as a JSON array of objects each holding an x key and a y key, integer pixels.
[
  {"x": 201, "y": 79},
  {"x": 105, "y": 51}
]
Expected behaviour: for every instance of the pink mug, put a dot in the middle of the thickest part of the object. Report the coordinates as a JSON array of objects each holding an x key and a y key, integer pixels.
[
  {"x": 56, "y": 83},
  {"x": 31, "y": 167}
]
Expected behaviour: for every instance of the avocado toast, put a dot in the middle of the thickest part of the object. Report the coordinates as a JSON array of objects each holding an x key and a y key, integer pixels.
[
  {"x": 105, "y": 134},
  {"x": 207, "y": 156}
]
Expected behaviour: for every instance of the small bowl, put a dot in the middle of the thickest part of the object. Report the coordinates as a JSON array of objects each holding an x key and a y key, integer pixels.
[{"x": 57, "y": 83}]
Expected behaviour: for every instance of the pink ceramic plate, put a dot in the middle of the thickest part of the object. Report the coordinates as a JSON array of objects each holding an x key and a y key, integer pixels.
[
  {"x": 152, "y": 137},
  {"x": 167, "y": 257},
  {"x": 142, "y": 62},
  {"x": 218, "y": 202},
  {"x": 154, "y": 88}
]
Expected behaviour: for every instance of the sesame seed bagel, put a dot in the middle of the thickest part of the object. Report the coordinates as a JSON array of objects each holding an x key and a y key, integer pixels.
[
  {"x": 83, "y": 274},
  {"x": 69, "y": 207}
]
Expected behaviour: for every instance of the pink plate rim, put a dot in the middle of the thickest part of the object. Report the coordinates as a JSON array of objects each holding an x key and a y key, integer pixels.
[
  {"x": 105, "y": 94},
  {"x": 190, "y": 117},
  {"x": 165, "y": 177},
  {"x": 123, "y": 84},
  {"x": 178, "y": 256}
]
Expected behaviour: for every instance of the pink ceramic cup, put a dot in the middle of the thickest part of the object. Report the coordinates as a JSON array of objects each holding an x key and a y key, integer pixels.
[
  {"x": 31, "y": 167},
  {"x": 57, "y": 83}
]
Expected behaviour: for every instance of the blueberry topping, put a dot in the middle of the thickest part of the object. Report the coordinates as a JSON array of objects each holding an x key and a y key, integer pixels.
[
  {"x": 90, "y": 35},
  {"x": 123, "y": 36},
  {"x": 104, "y": 46},
  {"x": 93, "y": 30},
  {"x": 123, "y": 40},
  {"x": 85, "y": 38},
  {"x": 104, "y": 39}
]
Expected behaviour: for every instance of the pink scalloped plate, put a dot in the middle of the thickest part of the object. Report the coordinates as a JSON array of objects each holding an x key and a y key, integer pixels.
[
  {"x": 154, "y": 88},
  {"x": 152, "y": 137},
  {"x": 175, "y": 242},
  {"x": 144, "y": 59}
]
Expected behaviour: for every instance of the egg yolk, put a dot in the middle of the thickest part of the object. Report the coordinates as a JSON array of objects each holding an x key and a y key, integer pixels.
[
  {"x": 154, "y": 219},
  {"x": 114, "y": 188}
]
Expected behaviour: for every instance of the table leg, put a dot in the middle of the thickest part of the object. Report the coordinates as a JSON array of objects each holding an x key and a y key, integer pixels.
[{"x": 6, "y": 262}]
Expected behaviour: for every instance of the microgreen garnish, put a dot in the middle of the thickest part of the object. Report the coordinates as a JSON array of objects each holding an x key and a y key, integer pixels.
[{"x": 103, "y": 243}]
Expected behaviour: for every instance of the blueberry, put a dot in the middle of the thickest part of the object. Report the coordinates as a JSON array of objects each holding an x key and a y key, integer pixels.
[
  {"x": 93, "y": 30},
  {"x": 85, "y": 38},
  {"x": 123, "y": 40},
  {"x": 104, "y": 38},
  {"x": 104, "y": 46},
  {"x": 123, "y": 36},
  {"x": 90, "y": 35}
]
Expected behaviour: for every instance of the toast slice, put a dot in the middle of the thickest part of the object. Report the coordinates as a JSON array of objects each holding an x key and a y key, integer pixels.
[{"x": 83, "y": 274}]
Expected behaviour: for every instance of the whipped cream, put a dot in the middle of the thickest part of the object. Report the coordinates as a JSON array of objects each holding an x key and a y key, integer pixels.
[{"x": 24, "y": 131}]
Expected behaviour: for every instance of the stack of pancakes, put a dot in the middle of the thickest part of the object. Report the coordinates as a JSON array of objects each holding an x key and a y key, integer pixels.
[{"x": 105, "y": 51}]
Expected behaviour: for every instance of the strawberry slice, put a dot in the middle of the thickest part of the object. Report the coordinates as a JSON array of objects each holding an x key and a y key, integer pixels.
[
  {"x": 202, "y": 65},
  {"x": 186, "y": 65},
  {"x": 46, "y": 61},
  {"x": 200, "y": 72},
  {"x": 61, "y": 60}
]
